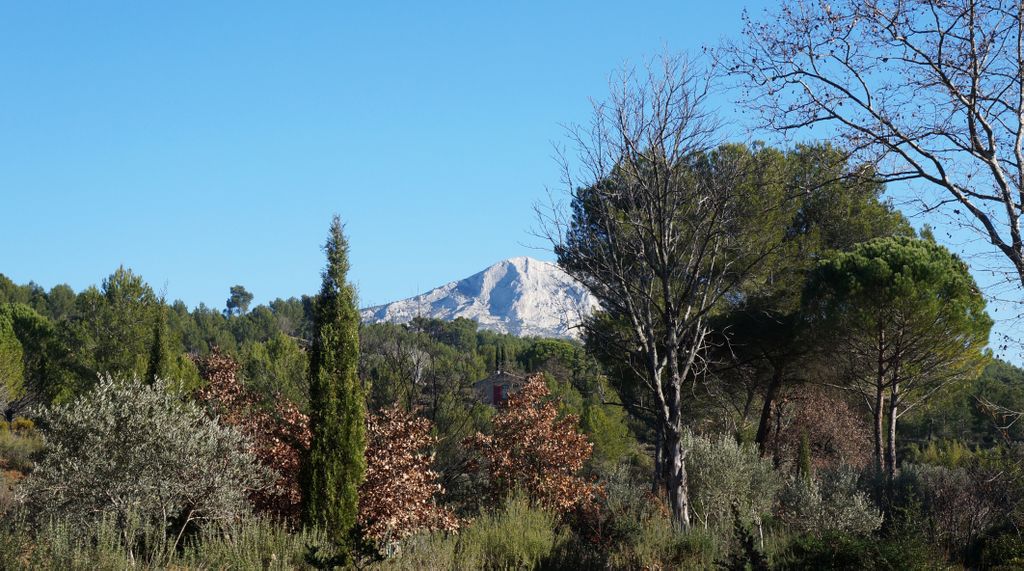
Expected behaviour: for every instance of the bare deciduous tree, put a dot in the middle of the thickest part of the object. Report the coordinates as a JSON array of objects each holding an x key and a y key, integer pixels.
[
  {"x": 653, "y": 231},
  {"x": 928, "y": 90}
]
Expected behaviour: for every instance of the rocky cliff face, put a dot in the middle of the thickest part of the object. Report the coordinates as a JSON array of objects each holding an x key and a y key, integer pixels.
[{"x": 521, "y": 296}]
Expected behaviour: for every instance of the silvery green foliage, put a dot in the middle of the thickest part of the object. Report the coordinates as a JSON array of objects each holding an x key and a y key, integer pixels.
[
  {"x": 132, "y": 450},
  {"x": 721, "y": 471},
  {"x": 831, "y": 502}
]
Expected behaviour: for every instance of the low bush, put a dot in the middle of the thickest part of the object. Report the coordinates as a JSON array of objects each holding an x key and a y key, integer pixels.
[
  {"x": 136, "y": 452},
  {"x": 830, "y": 503},
  {"x": 1004, "y": 551},
  {"x": 953, "y": 507},
  {"x": 98, "y": 544},
  {"x": 839, "y": 551},
  {"x": 434, "y": 550},
  {"x": 515, "y": 536},
  {"x": 518, "y": 536},
  {"x": 249, "y": 543},
  {"x": 17, "y": 449},
  {"x": 722, "y": 472},
  {"x": 948, "y": 453},
  {"x": 659, "y": 545},
  {"x": 254, "y": 543},
  {"x": 635, "y": 531},
  {"x": 23, "y": 425}
]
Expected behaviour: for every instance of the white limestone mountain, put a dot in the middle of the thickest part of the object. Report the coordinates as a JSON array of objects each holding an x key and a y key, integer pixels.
[{"x": 521, "y": 296}]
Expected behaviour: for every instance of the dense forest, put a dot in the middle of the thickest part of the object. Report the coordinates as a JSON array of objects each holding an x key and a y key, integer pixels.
[{"x": 783, "y": 373}]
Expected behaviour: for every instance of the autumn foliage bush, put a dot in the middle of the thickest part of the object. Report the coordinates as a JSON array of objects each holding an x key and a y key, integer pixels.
[
  {"x": 837, "y": 433},
  {"x": 278, "y": 431},
  {"x": 534, "y": 448},
  {"x": 397, "y": 497}
]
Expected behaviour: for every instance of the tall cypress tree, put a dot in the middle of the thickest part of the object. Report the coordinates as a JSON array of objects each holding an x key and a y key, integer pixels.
[
  {"x": 157, "y": 364},
  {"x": 335, "y": 466}
]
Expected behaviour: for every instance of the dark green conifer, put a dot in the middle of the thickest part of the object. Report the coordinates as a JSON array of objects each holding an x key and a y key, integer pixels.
[
  {"x": 157, "y": 364},
  {"x": 335, "y": 466},
  {"x": 804, "y": 461}
]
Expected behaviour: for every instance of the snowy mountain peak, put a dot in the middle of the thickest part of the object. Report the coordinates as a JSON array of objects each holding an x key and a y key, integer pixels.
[{"x": 522, "y": 296}]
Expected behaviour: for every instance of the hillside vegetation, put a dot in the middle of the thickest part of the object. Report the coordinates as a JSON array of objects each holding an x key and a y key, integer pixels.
[{"x": 780, "y": 371}]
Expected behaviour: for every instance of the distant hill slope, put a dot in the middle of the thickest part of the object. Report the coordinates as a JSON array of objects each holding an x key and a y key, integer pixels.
[{"x": 521, "y": 296}]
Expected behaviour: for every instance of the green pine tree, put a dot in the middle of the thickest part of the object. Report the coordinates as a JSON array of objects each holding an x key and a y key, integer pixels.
[
  {"x": 12, "y": 369},
  {"x": 157, "y": 365},
  {"x": 335, "y": 466}
]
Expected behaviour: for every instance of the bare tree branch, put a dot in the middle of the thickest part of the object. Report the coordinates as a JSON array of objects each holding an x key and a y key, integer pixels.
[{"x": 922, "y": 89}]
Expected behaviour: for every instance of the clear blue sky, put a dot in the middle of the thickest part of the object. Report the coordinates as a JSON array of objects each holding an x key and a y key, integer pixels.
[{"x": 206, "y": 144}]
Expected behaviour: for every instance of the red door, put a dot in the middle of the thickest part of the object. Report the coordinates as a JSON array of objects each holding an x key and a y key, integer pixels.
[{"x": 497, "y": 395}]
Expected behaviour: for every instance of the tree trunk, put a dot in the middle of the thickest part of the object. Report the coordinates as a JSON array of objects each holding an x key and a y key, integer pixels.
[
  {"x": 678, "y": 494},
  {"x": 770, "y": 395},
  {"x": 659, "y": 459},
  {"x": 879, "y": 421},
  {"x": 890, "y": 451},
  {"x": 880, "y": 404}
]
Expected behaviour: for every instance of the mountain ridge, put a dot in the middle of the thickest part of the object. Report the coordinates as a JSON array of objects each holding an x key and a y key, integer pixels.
[{"x": 522, "y": 296}]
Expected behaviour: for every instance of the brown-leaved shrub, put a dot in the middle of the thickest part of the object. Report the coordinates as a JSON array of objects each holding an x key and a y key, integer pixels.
[
  {"x": 397, "y": 497},
  {"x": 278, "y": 431},
  {"x": 533, "y": 448}
]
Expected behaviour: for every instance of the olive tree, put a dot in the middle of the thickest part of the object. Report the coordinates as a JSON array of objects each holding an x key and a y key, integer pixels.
[
  {"x": 134, "y": 451},
  {"x": 829, "y": 503},
  {"x": 724, "y": 473}
]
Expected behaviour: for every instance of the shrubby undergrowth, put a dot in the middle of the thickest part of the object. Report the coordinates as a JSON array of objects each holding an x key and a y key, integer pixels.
[
  {"x": 138, "y": 456},
  {"x": 136, "y": 475},
  {"x": 723, "y": 473},
  {"x": 247, "y": 543},
  {"x": 831, "y": 503},
  {"x": 177, "y": 491}
]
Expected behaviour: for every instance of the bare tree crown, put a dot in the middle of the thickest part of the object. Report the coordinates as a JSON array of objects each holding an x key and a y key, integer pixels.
[
  {"x": 925, "y": 89},
  {"x": 655, "y": 229}
]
